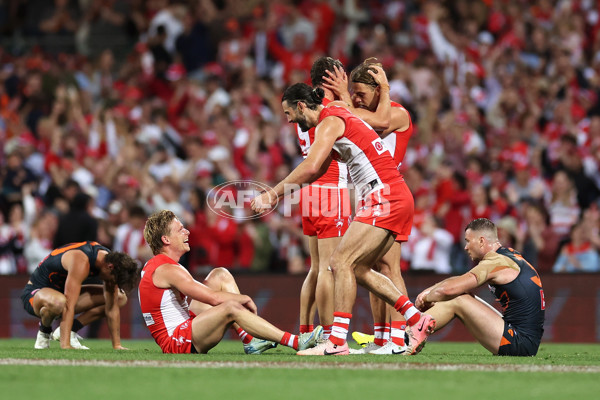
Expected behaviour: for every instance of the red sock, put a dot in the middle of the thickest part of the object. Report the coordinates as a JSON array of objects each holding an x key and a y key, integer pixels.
[
  {"x": 245, "y": 336},
  {"x": 397, "y": 334},
  {"x": 379, "y": 332},
  {"x": 408, "y": 310},
  {"x": 386, "y": 332},
  {"x": 289, "y": 340},
  {"x": 339, "y": 331},
  {"x": 306, "y": 328},
  {"x": 326, "y": 331}
]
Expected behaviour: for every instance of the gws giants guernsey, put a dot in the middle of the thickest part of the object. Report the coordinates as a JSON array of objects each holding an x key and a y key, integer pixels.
[
  {"x": 337, "y": 173},
  {"x": 369, "y": 161},
  {"x": 163, "y": 309}
]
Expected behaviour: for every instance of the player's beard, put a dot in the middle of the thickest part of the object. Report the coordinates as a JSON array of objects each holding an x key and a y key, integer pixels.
[{"x": 303, "y": 123}]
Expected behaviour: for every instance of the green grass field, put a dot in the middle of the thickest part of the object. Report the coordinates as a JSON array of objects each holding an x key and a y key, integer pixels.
[{"x": 442, "y": 370}]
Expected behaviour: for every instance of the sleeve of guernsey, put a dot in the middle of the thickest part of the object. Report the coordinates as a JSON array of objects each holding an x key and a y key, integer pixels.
[{"x": 491, "y": 262}]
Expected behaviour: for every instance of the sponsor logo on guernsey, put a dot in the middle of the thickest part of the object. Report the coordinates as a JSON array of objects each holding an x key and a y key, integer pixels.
[
  {"x": 148, "y": 319},
  {"x": 379, "y": 146}
]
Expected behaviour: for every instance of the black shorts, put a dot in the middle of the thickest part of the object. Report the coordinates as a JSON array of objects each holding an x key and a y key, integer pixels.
[
  {"x": 515, "y": 342},
  {"x": 27, "y": 297}
]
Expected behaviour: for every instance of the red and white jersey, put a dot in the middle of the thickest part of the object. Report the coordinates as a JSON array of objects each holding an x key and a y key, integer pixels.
[
  {"x": 337, "y": 173},
  {"x": 397, "y": 141},
  {"x": 163, "y": 309},
  {"x": 369, "y": 161}
]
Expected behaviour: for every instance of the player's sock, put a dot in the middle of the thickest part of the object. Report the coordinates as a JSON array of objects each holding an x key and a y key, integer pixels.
[
  {"x": 327, "y": 331},
  {"x": 77, "y": 325},
  {"x": 306, "y": 328},
  {"x": 386, "y": 332},
  {"x": 245, "y": 336},
  {"x": 379, "y": 331},
  {"x": 397, "y": 333},
  {"x": 405, "y": 307},
  {"x": 289, "y": 340},
  {"x": 339, "y": 331},
  {"x": 45, "y": 329}
]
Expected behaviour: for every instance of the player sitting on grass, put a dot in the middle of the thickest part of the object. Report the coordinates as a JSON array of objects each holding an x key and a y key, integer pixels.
[
  {"x": 215, "y": 305},
  {"x": 514, "y": 282}
]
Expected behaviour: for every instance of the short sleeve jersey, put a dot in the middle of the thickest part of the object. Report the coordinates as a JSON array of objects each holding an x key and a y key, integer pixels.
[{"x": 51, "y": 273}]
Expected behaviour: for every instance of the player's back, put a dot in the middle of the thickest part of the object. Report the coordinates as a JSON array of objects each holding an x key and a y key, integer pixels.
[
  {"x": 369, "y": 161},
  {"x": 51, "y": 273},
  {"x": 522, "y": 299}
]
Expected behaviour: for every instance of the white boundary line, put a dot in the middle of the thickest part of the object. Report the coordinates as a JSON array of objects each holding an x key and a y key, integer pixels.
[{"x": 304, "y": 365}]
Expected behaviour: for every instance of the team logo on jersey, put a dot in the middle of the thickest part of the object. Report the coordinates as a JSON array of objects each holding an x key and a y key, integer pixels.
[
  {"x": 379, "y": 146},
  {"x": 232, "y": 199}
]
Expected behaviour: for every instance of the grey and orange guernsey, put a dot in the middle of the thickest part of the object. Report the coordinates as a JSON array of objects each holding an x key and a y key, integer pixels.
[
  {"x": 50, "y": 273},
  {"x": 523, "y": 304}
]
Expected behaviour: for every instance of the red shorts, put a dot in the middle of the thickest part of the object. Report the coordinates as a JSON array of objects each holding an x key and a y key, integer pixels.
[
  {"x": 392, "y": 211},
  {"x": 180, "y": 342},
  {"x": 326, "y": 211}
]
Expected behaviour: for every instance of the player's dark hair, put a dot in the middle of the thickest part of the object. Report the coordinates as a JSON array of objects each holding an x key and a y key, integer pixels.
[
  {"x": 317, "y": 71},
  {"x": 156, "y": 227},
  {"x": 361, "y": 73},
  {"x": 125, "y": 269},
  {"x": 482, "y": 224},
  {"x": 304, "y": 93}
]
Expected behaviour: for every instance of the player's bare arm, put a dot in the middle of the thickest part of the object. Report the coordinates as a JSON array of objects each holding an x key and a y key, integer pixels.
[
  {"x": 113, "y": 314},
  {"x": 169, "y": 276},
  {"x": 78, "y": 267},
  {"x": 313, "y": 166}
]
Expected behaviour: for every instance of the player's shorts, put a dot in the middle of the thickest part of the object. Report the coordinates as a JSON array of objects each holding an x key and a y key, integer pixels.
[
  {"x": 326, "y": 211},
  {"x": 181, "y": 340},
  {"x": 514, "y": 342},
  {"x": 392, "y": 211},
  {"x": 27, "y": 297}
]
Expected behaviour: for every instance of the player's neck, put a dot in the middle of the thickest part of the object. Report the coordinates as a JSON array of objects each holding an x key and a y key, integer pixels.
[{"x": 171, "y": 253}]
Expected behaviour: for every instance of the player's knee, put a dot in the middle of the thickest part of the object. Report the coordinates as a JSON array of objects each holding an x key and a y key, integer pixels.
[
  {"x": 232, "y": 310},
  {"x": 56, "y": 305},
  {"x": 222, "y": 275}
]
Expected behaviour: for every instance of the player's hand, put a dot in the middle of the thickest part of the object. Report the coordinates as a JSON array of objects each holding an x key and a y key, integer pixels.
[
  {"x": 249, "y": 304},
  {"x": 336, "y": 81},
  {"x": 421, "y": 303},
  {"x": 263, "y": 201},
  {"x": 379, "y": 75}
]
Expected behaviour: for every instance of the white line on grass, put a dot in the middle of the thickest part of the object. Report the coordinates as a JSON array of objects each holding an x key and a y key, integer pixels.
[{"x": 303, "y": 365}]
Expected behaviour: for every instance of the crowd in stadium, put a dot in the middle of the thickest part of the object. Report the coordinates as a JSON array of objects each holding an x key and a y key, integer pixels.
[{"x": 110, "y": 110}]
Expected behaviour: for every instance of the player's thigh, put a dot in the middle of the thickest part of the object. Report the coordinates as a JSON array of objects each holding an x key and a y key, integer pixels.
[
  {"x": 90, "y": 296},
  {"x": 208, "y": 327},
  {"x": 48, "y": 297},
  {"x": 362, "y": 244},
  {"x": 481, "y": 319}
]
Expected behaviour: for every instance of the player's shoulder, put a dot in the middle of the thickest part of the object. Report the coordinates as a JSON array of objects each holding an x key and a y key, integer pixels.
[{"x": 494, "y": 260}]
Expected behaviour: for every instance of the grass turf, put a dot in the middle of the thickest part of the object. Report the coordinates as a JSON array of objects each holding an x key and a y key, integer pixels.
[{"x": 280, "y": 374}]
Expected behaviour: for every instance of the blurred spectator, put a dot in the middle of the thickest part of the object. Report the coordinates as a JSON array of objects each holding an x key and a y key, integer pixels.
[
  {"x": 578, "y": 255},
  {"x": 536, "y": 239},
  {"x": 77, "y": 224},
  {"x": 562, "y": 204},
  {"x": 129, "y": 236},
  {"x": 41, "y": 238},
  {"x": 429, "y": 248}
]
